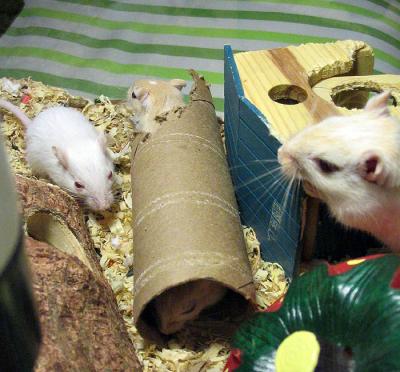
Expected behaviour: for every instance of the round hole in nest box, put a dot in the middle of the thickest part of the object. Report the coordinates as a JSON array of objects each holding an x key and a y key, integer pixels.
[
  {"x": 357, "y": 97},
  {"x": 287, "y": 94}
]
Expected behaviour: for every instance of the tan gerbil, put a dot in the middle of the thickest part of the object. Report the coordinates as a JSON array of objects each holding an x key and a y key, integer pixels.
[
  {"x": 180, "y": 304},
  {"x": 152, "y": 98},
  {"x": 352, "y": 163}
]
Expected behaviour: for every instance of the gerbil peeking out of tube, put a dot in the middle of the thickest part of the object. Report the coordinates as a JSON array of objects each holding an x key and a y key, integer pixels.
[
  {"x": 152, "y": 98},
  {"x": 352, "y": 163}
]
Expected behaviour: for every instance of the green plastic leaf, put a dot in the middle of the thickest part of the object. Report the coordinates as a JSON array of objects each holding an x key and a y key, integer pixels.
[{"x": 358, "y": 309}]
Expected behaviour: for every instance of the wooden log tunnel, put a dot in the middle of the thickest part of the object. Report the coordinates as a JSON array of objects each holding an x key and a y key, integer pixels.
[{"x": 82, "y": 328}]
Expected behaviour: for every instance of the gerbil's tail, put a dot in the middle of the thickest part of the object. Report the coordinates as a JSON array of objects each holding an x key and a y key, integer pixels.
[{"x": 16, "y": 111}]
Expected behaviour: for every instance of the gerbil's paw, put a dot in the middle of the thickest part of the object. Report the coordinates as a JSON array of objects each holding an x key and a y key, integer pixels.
[
  {"x": 138, "y": 125},
  {"x": 134, "y": 119}
]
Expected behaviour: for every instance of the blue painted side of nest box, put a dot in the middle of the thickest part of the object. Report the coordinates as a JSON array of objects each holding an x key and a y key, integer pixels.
[{"x": 248, "y": 144}]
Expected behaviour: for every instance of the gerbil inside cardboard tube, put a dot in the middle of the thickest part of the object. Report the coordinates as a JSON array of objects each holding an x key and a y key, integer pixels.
[{"x": 189, "y": 247}]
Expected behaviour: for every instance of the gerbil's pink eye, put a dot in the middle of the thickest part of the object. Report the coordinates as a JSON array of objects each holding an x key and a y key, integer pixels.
[
  {"x": 78, "y": 185},
  {"x": 110, "y": 175},
  {"x": 326, "y": 166}
]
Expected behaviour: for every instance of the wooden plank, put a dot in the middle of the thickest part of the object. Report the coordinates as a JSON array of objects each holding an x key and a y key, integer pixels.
[
  {"x": 279, "y": 81},
  {"x": 346, "y": 86}
]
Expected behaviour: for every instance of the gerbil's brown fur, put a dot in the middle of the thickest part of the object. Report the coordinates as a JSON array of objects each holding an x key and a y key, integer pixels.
[
  {"x": 180, "y": 304},
  {"x": 152, "y": 98}
]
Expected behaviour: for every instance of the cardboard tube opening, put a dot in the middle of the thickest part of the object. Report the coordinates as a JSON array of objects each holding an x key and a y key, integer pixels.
[{"x": 231, "y": 308}]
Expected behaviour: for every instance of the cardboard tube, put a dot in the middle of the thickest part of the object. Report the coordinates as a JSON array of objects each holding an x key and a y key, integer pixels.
[{"x": 186, "y": 223}]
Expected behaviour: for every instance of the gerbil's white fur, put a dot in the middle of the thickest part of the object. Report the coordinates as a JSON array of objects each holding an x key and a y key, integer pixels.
[
  {"x": 150, "y": 99},
  {"x": 63, "y": 145},
  {"x": 353, "y": 164},
  {"x": 180, "y": 304}
]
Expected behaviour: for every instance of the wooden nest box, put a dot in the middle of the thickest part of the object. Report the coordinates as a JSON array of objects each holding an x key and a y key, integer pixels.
[{"x": 269, "y": 96}]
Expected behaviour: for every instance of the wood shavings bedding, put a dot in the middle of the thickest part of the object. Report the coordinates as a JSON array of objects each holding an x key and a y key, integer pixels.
[{"x": 111, "y": 230}]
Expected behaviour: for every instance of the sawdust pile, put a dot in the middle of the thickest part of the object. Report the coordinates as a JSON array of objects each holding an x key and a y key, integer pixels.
[{"x": 111, "y": 230}]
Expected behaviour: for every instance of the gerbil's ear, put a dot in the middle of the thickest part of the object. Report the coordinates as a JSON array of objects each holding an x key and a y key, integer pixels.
[
  {"x": 178, "y": 83},
  {"x": 379, "y": 104},
  {"x": 143, "y": 96},
  {"x": 372, "y": 169},
  {"x": 61, "y": 156}
]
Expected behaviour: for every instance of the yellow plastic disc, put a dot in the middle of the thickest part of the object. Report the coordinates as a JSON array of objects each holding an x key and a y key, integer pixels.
[
  {"x": 355, "y": 261},
  {"x": 298, "y": 352}
]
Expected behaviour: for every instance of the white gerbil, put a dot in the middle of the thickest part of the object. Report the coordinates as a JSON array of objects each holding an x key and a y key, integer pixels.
[
  {"x": 180, "y": 304},
  {"x": 352, "y": 163},
  {"x": 63, "y": 145},
  {"x": 151, "y": 98}
]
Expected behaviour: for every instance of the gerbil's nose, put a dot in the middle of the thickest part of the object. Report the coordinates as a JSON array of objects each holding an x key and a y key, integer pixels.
[
  {"x": 288, "y": 162},
  {"x": 282, "y": 154},
  {"x": 105, "y": 204},
  {"x": 100, "y": 204}
]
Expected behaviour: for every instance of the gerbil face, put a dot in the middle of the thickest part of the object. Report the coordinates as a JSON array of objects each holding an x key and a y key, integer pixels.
[
  {"x": 347, "y": 161},
  {"x": 155, "y": 95},
  {"x": 183, "y": 303},
  {"x": 89, "y": 174}
]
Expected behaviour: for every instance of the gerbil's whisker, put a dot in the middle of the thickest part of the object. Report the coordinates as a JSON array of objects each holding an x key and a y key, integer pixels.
[
  {"x": 280, "y": 179},
  {"x": 287, "y": 193},
  {"x": 255, "y": 179},
  {"x": 266, "y": 173},
  {"x": 254, "y": 161},
  {"x": 73, "y": 194},
  {"x": 273, "y": 186},
  {"x": 253, "y": 189}
]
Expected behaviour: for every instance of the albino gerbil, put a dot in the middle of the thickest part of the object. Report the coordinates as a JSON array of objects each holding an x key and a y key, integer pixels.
[
  {"x": 180, "y": 304},
  {"x": 352, "y": 163},
  {"x": 151, "y": 98},
  {"x": 63, "y": 145}
]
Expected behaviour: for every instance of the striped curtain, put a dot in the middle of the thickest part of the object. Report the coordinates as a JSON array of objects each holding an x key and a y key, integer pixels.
[{"x": 94, "y": 47}]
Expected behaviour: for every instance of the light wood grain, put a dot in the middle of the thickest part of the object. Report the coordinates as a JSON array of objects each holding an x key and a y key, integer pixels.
[{"x": 300, "y": 66}]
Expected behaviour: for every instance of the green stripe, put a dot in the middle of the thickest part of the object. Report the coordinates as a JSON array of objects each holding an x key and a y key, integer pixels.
[
  {"x": 383, "y": 56},
  {"x": 107, "y": 65},
  {"x": 386, "y": 5},
  {"x": 61, "y": 35},
  {"x": 174, "y": 50},
  {"x": 241, "y": 14},
  {"x": 126, "y": 46},
  {"x": 67, "y": 83},
  {"x": 82, "y": 85},
  {"x": 175, "y": 30},
  {"x": 190, "y": 31},
  {"x": 336, "y": 6}
]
